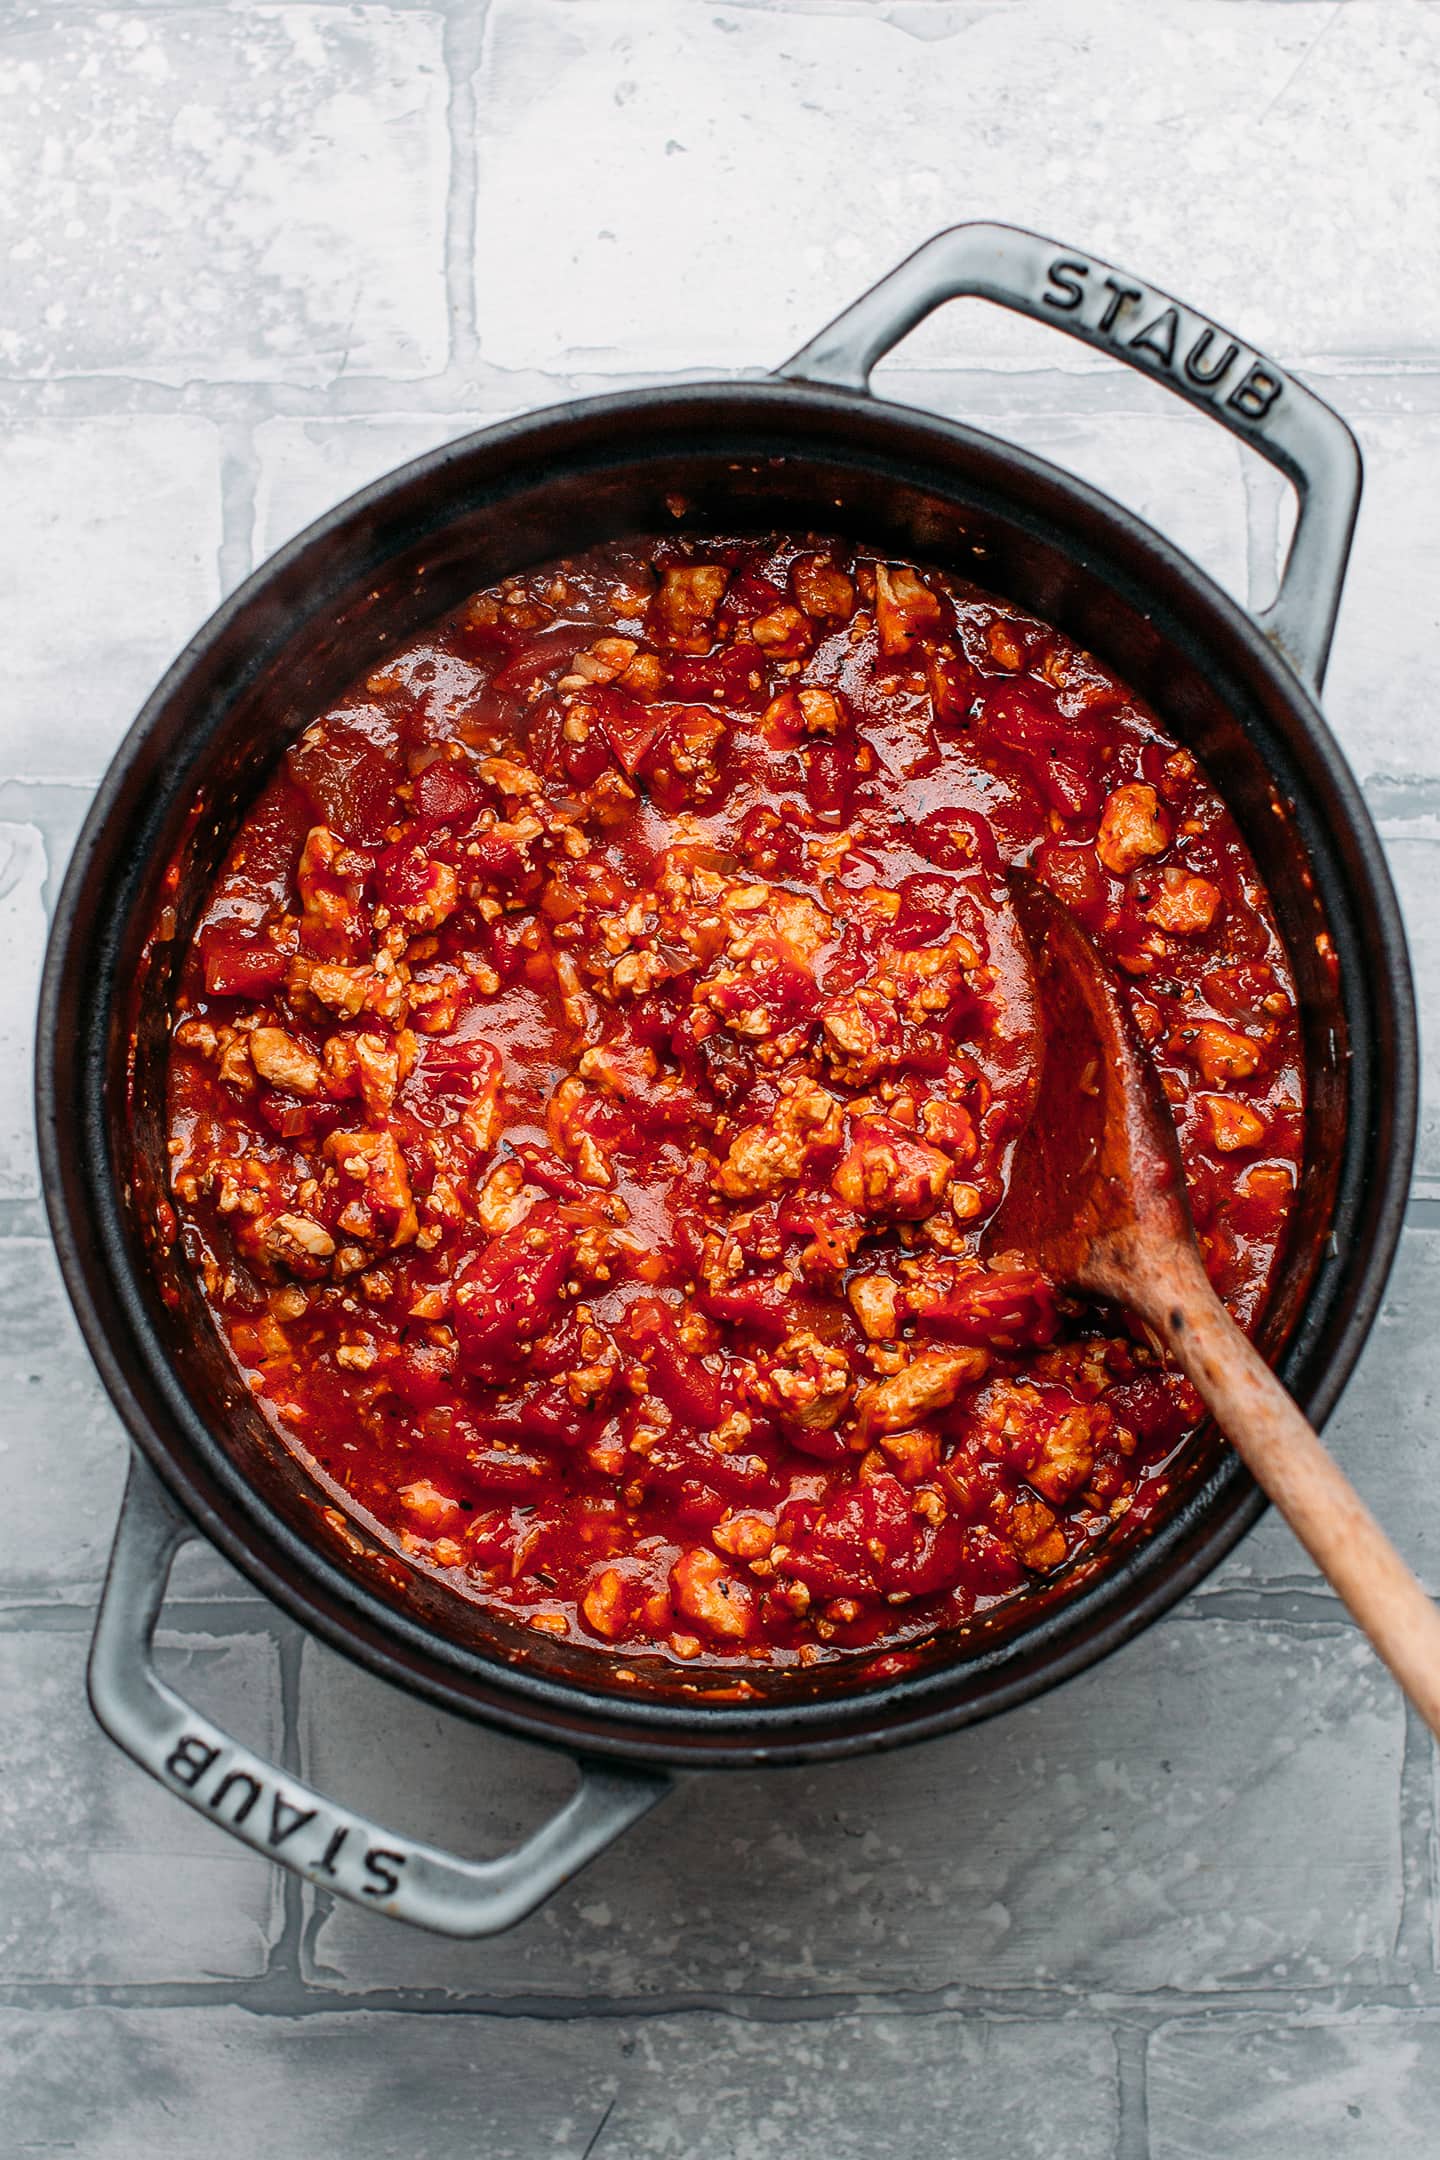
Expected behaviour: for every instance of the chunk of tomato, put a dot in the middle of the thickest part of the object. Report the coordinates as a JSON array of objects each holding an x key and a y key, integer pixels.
[
  {"x": 237, "y": 965},
  {"x": 693, "y": 1387},
  {"x": 511, "y": 1292},
  {"x": 350, "y": 773},
  {"x": 448, "y": 794}
]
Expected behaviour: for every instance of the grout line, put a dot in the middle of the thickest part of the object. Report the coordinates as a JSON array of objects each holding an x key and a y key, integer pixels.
[
  {"x": 1364, "y": 385},
  {"x": 282, "y": 1970},
  {"x": 464, "y": 42},
  {"x": 1132, "y": 2133},
  {"x": 1281, "y": 1602},
  {"x": 1139, "y": 2013},
  {"x": 314, "y": 1972},
  {"x": 79, "y": 10},
  {"x": 24, "y": 1222},
  {"x": 289, "y": 1650},
  {"x": 1432, "y": 1860},
  {"x": 239, "y": 479},
  {"x": 1414, "y": 1944},
  {"x": 181, "y": 1616},
  {"x": 72, "y": 398}
]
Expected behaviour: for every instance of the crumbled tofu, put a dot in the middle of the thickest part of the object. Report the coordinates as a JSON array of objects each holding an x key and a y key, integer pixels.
[
  {"x": 636, "y": 973},
  {"x": 381, "y": 1064},
  {"x": 484, "y": 1115},
  {"x": 875, "y": 1300},
  {"x": 758, "y": 913},
  {"x": 326, "y": 878},
  {"x": 1069, "y": 1454},
  {"x": 503, "y": 1200},
  {"x": 645, "y": 677},
  {"x": 1221, "y": 1053},
  {"x": 426, "y": 1503},
  {"x": 706, "y": 1593},
  {"x": 1061, "y": 1437},
  {"x": 851, "y": 1030},
  {"x": 912, "y": 1455},
  {"x": 928, "y": 1383},
  {"x": 807, "y": 1381},
  {"x": 889, "y": 1172},
  {"x": 763, "y": 1158},
  {"x": 375, "y": 1161},
  {"x": 235, "y": 1065},
  {"x": 515, "y": 780},
  {"x": 1185, "y": 905},
  {"x": 688, "y": 600},
  {"x": 284, "y": 1062},
  {"x": 199, "y": 1036},
  {"x": 439, "y": 898},
  {"x": 310, "y": 1236},
  {"x": 1133, "y": 826},
  {"x": 745, "y": 1537},
  {"x": 822, "y": 588},
  {"x": 820, "y": 710},
  {"x": 1037, "y": 1536},
  {"x": 344, "y": 989},
  {"x": 929, "y": 978},
  {"x": 606, "y": 658},
  {"x": 604, "y": 1604},
  {"x": 904, "y": 607},
  {"x": 1233, "y": 1125},
  {"x": 784, "y": 630}
]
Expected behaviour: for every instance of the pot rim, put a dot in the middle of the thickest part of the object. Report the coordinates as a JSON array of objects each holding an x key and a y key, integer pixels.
[{"x": 1096, "y": 1618}]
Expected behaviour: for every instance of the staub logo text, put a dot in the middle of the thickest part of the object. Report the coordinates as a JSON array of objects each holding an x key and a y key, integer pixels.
[
  {"x": 245, "y": 1800},
  {"x": 1173, "y": 340}
]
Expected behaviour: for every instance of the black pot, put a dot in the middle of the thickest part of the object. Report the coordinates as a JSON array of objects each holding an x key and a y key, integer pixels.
[{"x": 812, "y": 449}]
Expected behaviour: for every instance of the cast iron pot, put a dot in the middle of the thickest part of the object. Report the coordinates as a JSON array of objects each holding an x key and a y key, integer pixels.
[{"x": 809, "y": 449}]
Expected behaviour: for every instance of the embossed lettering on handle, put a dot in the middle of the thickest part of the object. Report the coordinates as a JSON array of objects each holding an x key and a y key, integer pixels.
[
  {"x": 283, "y": 1817},
  {"x": 1148, "y": 329}
]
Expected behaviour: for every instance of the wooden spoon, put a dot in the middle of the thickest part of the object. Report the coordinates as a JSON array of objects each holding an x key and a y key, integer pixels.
[{"x": 1097, "y": 1202}]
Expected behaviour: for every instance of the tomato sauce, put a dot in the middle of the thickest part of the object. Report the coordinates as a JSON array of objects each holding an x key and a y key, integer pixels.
[{"x": 602, "y": 1051}]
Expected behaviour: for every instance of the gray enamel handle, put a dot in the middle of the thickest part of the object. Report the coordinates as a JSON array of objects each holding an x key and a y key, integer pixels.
[
  {"x": 1092, "y": 300},
  {"x": 288, "y": 1820}
]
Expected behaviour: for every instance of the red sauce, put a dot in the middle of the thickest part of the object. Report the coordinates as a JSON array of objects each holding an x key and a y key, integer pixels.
[{"x": 602, "y": 1051}]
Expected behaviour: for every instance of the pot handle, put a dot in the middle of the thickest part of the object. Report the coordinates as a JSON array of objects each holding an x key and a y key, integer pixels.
[
  {"x": 288, "y": 1820},
  {"x": 1251, "y": 395}
]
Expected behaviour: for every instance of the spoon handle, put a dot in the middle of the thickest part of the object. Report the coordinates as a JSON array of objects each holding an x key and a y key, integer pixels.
[{"x": 1286, "y": 1458}]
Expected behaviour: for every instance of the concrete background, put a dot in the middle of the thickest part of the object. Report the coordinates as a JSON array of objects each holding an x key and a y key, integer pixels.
[{"x": 1185, "y": 1908}]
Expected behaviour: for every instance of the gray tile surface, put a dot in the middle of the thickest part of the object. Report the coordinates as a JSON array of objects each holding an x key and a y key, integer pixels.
[
  {"x": 111, "y": 545},
  {"x": 1357, "y": 2089},
  {"x": 367, "y": 2086},
  {"x": 1237, "y": 153},
  {"x": 1184, "y": 1909},
  {"x": 195, "y": 196},
  {"x": 98, "y": 1890},
  {"x": 1158, "y": 1795}
]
